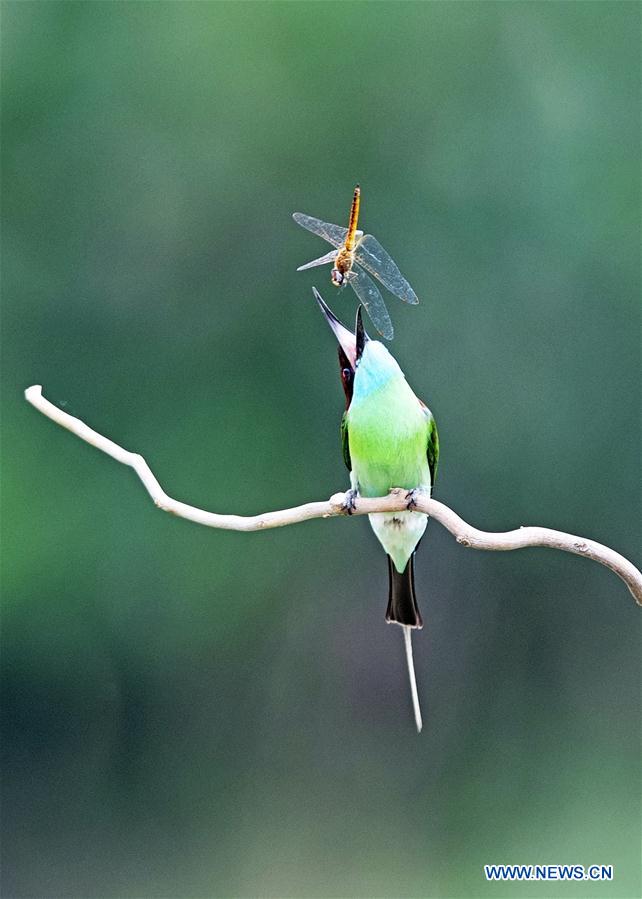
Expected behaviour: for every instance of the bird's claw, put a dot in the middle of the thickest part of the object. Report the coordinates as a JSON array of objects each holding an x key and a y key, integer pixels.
[
  {"x": 412, "y": 496},
  {"x": 350, "y": 501}
]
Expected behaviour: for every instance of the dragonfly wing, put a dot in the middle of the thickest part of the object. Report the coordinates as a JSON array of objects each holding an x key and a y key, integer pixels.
[
  {"x": 372, "y": 256},
  {"x": 370, "y": 295},
  {"x": 329, "y": 257},
  {"x": 334, "y": 234}
]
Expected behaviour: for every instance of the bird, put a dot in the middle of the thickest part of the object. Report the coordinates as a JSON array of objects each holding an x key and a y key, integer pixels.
[{"x": 389, "y": 439}]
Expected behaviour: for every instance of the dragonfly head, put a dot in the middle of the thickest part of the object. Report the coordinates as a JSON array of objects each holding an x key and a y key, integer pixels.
[{"x": 338, "y": 278}]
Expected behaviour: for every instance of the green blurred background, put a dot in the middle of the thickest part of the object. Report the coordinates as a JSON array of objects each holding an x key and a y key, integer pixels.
[{"x": 193, "y": 713}]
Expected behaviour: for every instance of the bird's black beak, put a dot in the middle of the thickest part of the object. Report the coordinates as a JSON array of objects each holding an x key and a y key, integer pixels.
[
  {"x": 346, "y": 338},
  {"x": 361, "y": 338}
]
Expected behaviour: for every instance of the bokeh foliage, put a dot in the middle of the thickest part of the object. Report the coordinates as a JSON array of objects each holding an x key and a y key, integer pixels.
[{"x": 192, "y": 713}]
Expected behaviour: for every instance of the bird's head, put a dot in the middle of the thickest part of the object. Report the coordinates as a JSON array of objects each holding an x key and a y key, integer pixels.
[{"x": 364, "y": 363}]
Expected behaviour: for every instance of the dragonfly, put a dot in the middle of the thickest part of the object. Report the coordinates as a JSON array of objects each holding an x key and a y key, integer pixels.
[{"x": 354, "y": 258}]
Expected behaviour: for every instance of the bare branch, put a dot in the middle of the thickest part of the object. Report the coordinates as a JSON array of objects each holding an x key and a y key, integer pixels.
[{"x": 396, "y": 501}]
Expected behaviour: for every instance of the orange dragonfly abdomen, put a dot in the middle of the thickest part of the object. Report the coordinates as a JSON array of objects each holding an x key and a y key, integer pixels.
[{"x": 354, "y": 219}]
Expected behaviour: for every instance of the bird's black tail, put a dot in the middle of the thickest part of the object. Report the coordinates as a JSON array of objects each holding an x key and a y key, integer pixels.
[{"x": 402, "y": 602}]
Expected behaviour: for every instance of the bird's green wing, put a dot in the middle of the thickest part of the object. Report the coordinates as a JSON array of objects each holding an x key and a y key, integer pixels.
[
  {"x": 345, "y": 442},
  {"x": 433, "y": 444}
]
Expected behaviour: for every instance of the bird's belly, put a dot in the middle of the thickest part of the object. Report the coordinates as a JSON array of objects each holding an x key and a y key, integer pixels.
[
  {"x": 391, "y": 456},
  {"x": 380, "y": 466},
  {"x": 399, "y": 533}
]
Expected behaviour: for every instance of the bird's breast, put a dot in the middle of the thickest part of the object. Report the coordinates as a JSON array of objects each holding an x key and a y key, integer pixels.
[{"x": 388, "y": 441}]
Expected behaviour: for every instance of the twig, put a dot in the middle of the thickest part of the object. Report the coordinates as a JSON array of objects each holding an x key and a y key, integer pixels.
[{"x": 396, "y": 501}]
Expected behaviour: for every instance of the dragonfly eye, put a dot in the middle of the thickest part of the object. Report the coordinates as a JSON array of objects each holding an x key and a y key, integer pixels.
[{"x": 337, "y": 277}]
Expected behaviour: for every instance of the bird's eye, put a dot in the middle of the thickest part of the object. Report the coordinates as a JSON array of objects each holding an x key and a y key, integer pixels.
[{"x": 346, "y": 373}]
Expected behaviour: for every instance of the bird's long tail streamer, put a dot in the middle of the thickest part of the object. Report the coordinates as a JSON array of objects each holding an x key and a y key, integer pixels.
[{"x": 407, "y": 636}]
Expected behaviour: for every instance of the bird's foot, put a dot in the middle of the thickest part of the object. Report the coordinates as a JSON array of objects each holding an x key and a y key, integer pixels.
[
  {"x": 350, "y": 501},
  {"x": 343, "y": 503},
  {"x": 413, "y": 496}
]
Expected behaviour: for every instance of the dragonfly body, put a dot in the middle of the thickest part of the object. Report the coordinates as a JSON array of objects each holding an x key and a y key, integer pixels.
[
  {"x": 343, "y": 262},
  {"x": 344, "y": 259},
  {"x": 354, "y": 258}
]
